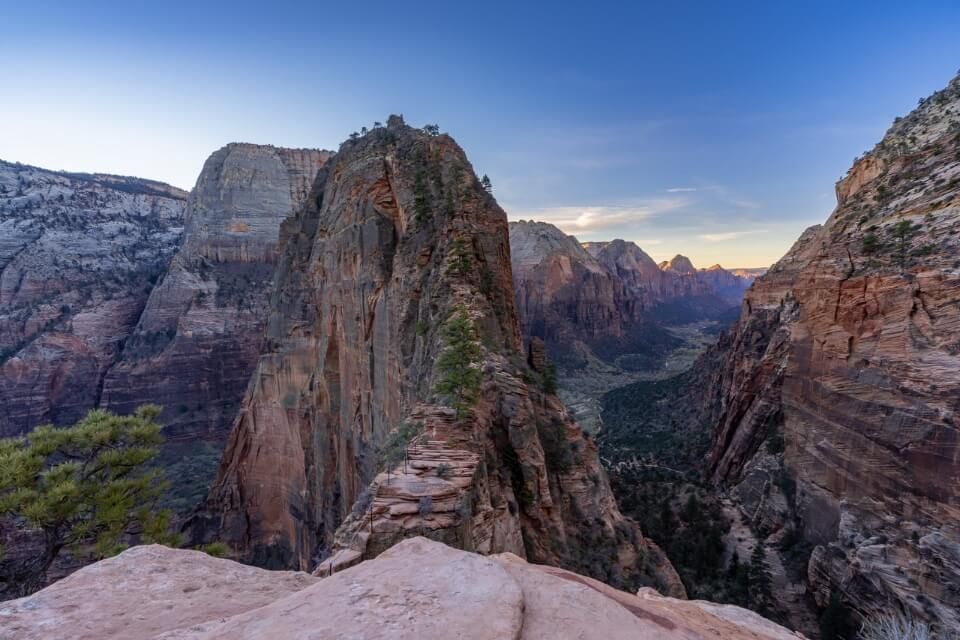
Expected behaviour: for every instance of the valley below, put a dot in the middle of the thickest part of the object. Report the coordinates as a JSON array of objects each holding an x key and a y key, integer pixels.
[{"x": 582, "y": 390}]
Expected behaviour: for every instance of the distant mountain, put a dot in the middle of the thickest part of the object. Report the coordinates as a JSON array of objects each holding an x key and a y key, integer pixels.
[
  {"x": 609, "y": 299},
  {"x": 80, "y": 255},
  {"x": 749, "y": 273},
  {"x": 117, "y": 291},
  {"x": 200, "y": 333}
]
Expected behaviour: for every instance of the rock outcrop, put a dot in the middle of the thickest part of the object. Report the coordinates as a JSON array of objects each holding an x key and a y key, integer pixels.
[
  {"x": 79, "y": 256},
  {"x": 199, "y": 336},
  {"x": 846, "y": 361},
  {"x": 417, "y": 589},
  {"x": 679, "y": 265},
  {"x": 397, "y": 237}
]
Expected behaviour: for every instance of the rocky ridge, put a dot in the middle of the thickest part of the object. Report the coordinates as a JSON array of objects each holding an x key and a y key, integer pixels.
[
  {"x": 417, "y": 589},
  {"x": 199, "y": 336},
  {"x": 397, "y": 236},
  {"x": 79, "y": 256},
  {"x": 846, "y": 361}
]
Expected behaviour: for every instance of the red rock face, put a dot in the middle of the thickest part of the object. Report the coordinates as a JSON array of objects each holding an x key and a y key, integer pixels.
[
  {"x": 848, "y": 347},
  {"x": 563, "y": 292},
  {"x": 604, "y": 298},
  {"x": 397, "y": 234},
  {"x": 200, "y": 334},
  {"x": 79, "y": 255}
]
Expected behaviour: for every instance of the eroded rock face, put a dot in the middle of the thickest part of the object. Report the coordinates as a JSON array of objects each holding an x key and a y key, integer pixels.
[
  {"x": 199, "y": 337},
  {"x": 417, "y": 589},
  {"x": 563, "y": 292},
  {"x": 397, "y": 234},
  {"x": 79, "y": 256},
  {"x": 605, "y": 299},
  {"x": 848, "y": 349}
]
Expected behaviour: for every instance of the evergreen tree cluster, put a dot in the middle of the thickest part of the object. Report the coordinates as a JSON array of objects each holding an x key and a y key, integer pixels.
[
  {"x": 459, "y": 362},
  {"x": 394, "y": 449},
  {"x": 88, "y": 488}
]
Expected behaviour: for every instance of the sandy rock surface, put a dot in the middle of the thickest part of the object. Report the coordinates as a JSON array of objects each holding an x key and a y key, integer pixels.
[
  {"x": 416, "y": 589},
  {"x": 142, "y": 592}
]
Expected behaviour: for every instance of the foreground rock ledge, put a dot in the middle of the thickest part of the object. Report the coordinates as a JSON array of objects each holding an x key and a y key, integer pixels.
[{"x": 417, "y": 589}]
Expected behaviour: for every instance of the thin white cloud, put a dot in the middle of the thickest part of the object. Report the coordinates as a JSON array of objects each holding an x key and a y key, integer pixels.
[
  {"x": 729, "y": 235},
  {"x": 681, "y": 189},
  {"x": 589, "y": 219}
]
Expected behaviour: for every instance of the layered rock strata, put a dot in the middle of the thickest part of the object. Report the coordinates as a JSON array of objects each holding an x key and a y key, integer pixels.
[
  {"x": 397, "y": 237},
  {"x": 199, "y": 336},
  {"x": 846, "y": 360},
  {"x": 79, "y": 256}
]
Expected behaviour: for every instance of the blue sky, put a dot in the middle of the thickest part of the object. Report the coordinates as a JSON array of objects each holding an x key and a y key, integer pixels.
[{"x": 716, "y": 129}]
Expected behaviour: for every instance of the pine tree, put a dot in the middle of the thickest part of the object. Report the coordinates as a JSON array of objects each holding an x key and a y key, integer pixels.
[
  {"x": 834, "y": 619},
  {"x": 667, "y": 521},
  {"x": 902, "y": 232},
  {"x": 692, "y": 513},
  {"x": 550, "y": 379},
  {"x": 761, "y": 595},
  {"x": 739, "y": 581},
  {"x": 88, "y": 484},
  {"x": 421, "y": 196},
  {"x": 462, "y": 260},
  {"x": 487, "y": 185},
  {"x": 459, "y": 362},
  {"x": 394, "y": 449}
]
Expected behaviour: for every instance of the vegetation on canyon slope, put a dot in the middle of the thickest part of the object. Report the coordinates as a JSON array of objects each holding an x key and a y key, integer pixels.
[
  {"x": 85, "y": 486},
  {"x": 459, "y": 362}
]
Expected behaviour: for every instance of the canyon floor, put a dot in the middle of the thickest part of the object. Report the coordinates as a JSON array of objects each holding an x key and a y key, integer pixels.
[{"x": 582, "y": 389}]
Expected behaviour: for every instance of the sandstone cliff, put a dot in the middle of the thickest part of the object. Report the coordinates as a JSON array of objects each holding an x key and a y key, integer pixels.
[
  {"x": 584, "y": 302},
  {"x": 609, "y": 299},
  {"x": 199, "y": 336},
  {"x": 79, "y": 256},
  {"x": 846, "y": 361},
  {"x": 415, "y": 590},
  {"x": 396, "y": 237}
]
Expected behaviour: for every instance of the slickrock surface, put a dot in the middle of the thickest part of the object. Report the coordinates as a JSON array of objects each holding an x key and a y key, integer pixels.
[
  {"x": 396, "y": 235},
  {"x": 143, "y": 592},
  {"x": 849, "y": 348},
  {"x": 79, "y": 255},
  {"x": 416, "y": 589},
  {"x": 199, "y": 336}
]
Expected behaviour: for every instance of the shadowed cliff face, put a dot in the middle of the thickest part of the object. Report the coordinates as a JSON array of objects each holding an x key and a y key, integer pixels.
[
  {"x": 79, "y": 256},
  {"x": 563, "y": 293},
  {"x": 397, "y": 234},
  {"x": 849, "y": 348},
  {"x": 199, "y": 337},
  {"x": 606, "y": 299}
]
